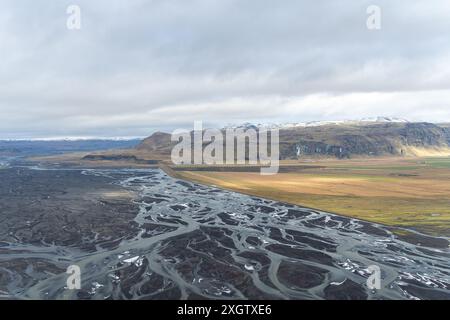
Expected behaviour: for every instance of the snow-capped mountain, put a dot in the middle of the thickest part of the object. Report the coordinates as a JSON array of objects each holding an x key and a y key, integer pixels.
[
  {"x": 248, "y": 125},
  {"x": 384, "y": 119}
]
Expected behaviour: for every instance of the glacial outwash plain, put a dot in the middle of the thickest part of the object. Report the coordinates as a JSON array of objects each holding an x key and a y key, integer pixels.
[
  {"x": 139, "y": 227},
  {"x": 394, "y": 173}
]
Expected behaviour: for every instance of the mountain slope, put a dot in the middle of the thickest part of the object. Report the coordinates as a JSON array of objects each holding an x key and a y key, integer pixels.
[
  {"x": 158, "y": 142},
  {"x": 344, "y": 140},
  {"x": 375, "y": 139}
]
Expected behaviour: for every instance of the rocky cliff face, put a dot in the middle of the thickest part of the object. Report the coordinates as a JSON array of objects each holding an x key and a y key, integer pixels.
[
  {"x": 362, "y": 140},
  {"x": 423, "y": 135},
  {"x": 341, "y": 140},
  {"x": 446, "y": 128}
]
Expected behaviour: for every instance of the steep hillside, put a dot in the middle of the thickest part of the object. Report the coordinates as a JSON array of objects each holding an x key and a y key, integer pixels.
[
  {"x": 446, "y": 127},
  {"x": 344, "y": 140},
  {"x": 376, "y": 139},
  {"x": 157, "y": 142}
]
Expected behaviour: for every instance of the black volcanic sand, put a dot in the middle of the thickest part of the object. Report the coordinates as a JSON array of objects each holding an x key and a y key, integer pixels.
[
  {"x": 63, "y": 208},
  {"x": 139, "y": 234},
  {"x": 51, "y": 210}
]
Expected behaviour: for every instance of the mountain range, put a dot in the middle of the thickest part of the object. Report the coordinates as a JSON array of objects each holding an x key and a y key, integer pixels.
[
  {"x": 345, "y": 139},
  {"x": 377, "y": 137}
]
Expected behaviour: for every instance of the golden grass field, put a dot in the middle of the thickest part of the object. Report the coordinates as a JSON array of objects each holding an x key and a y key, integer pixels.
[{"x": 406, "y": 192}]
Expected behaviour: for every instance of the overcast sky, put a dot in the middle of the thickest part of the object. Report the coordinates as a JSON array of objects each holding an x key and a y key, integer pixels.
[{"x": 138, "y": 66}]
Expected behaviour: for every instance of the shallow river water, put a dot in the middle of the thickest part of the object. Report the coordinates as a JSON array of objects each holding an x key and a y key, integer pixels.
[{"x": 203, "y": 242}]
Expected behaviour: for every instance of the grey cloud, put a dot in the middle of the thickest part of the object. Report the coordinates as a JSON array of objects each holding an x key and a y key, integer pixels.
[{"x": 137, "y": 66}]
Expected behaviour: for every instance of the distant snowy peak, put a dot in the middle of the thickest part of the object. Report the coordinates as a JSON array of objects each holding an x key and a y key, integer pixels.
[
  {"x": 74, "y": 139},
  {"x": 384, "y": 119},
  {"x": 248, "y": 125}
]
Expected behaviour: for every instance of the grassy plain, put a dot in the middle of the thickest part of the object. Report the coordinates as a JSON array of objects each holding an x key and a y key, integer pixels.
[{"x": 405, "y": 192}]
